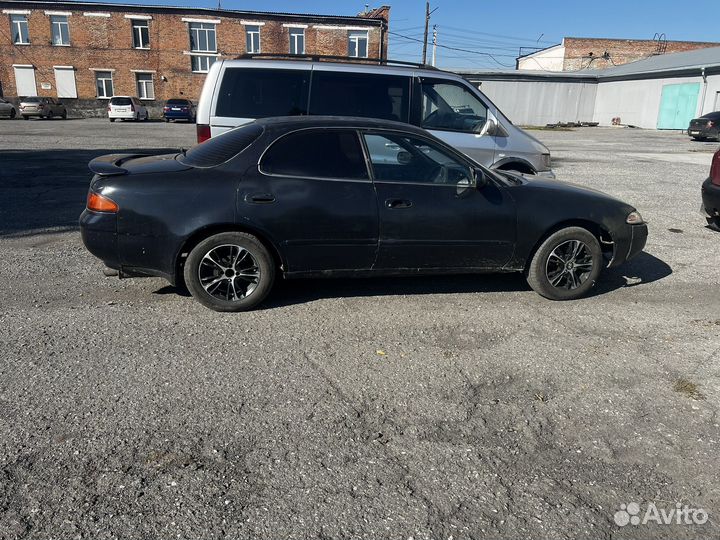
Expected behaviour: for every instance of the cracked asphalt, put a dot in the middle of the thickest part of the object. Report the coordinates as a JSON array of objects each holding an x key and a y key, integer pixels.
[{"x": 424, "y": 408}]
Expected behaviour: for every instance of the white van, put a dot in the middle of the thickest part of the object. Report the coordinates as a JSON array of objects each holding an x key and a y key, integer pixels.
[{"x": 239, "y": 91}]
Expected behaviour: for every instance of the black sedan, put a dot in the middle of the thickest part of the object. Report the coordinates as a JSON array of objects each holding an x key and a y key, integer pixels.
[
  {"x": 321, "y": 196},
  {"x": 705, "y": 127},
  {"x": 711, "y": 193}
]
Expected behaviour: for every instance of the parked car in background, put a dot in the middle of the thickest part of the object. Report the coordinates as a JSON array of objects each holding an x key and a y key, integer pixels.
[
  {"x": 7, "y": 109},
  {"x": 42, "y": 107},
  {"x": 705, "y": 127},
  {"x": 238, "y": 91},
  {"x": 179, "y": 109},
  {"x": 711, "y": 193},
  {"x": 323, "y": 196},
  {"x": 126, "y": 108}
]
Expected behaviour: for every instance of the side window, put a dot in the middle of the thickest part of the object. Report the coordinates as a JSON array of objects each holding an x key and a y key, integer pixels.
[
  {"x": 451, "y": 106},
  {"x": 398, "y": 158},
  {"x": 259, "y": 93},
  {"x": 317, "y": 154},
  {"x": 360, "y": 94}
]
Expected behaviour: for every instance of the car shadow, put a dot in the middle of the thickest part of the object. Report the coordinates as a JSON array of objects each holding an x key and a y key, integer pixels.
[{"x": 641, "y": 270}]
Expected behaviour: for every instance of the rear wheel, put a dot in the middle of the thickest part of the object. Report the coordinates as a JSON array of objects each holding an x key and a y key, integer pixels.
[
  {"x": 26, "y": 117},
  {"x": 167, "y": 120},
  {"x": 230, "y": 271},
  {"x": 112, "y": 119},
  {"x": 566, "y": 265},
  {"x": 64, "y": 114},
  {"x": 50, "y": 115},
  {"x": 12, "y": 113}
]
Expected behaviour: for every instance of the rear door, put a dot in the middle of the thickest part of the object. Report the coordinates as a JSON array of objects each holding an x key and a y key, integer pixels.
[
  {"x": 455, "y": 114},
  {"x": 430, "y": 217},
  {"x": 313, "y": 194}
]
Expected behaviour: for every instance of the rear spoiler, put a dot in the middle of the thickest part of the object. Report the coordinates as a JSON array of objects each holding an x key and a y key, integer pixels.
[{"x": 110, "y": 164}]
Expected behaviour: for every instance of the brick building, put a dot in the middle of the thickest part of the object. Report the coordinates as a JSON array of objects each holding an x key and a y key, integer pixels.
[
  {"x": 574, "y": 54},
  {"x": 84, "y": 52}
]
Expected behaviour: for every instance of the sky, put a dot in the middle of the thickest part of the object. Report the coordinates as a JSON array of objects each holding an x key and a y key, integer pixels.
[{"x": 491, "y": 32}]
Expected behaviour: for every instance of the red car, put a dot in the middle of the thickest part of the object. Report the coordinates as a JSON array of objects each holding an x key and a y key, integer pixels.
[{"x": 711, "y": 193}]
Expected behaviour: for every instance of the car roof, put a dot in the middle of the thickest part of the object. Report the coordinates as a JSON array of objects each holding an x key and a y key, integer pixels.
[
  {"x": 300, "y": 122},
  {"x": 345, "y": 67}
]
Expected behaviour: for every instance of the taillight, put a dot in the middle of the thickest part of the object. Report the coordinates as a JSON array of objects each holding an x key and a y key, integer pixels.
[
  {"x": 109, "y": 109},
  {"x": 132, "y": 108},
  {"x": 166, "y": 109},
  {"x": 203, "y": 132},
  {"x": 715, "y": 169},
  {"x": 710, "y": 123},
  {"x": 99, "y": 203}
]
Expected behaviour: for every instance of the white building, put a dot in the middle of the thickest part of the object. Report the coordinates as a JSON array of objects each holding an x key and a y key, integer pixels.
[{"x": 662, "y": 92}]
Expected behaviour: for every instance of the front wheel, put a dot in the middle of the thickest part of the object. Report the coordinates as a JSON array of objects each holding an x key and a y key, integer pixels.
[
  {"x": 26, "y": 117},
  {"x": 12, "y": 114},
  {"x": 566, "y": 265},
  {"x": 112, "y": 119},
  {"x": 230, "y": 271}
]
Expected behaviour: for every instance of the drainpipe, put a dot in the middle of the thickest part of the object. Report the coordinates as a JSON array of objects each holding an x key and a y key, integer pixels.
[{"x": 704, "y": 92}]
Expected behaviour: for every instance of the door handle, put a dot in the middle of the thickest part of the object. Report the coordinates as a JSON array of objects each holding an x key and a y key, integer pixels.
[
  {"x": 397, "y": 203},
  {"x": 259, "y": 198}
]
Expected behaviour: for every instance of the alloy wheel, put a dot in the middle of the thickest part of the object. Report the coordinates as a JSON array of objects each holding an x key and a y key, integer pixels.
[
  {"x": 569, "y": 265},
  {"x": 229, "y": 272}
]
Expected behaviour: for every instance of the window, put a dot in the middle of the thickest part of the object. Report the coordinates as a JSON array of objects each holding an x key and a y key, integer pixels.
[
  {"x": 317, "y": 154},
  {"x": 398, "y": 158},
  {"x": 221, "y": 148},
  {"x": 19, "y": 29},
  {"x": 259, "y": 93},
  {"x": 360, "y": 94},
  {"x": 358, "y": 44},
  {"x": 201, "y": 64},
  {"x": 60, "y": 30},
  {"x": 297, "y": 41},
  {"x": 145, "y": 86},
  {"x": 452, "y": 107},
  {"x": 104, "y": 84},
  {"x": 252, "y": 38},
  {"x": 202, "y": 37},
  {"x": 202, "y": 40},
  {"x": 141, "y": 34}
]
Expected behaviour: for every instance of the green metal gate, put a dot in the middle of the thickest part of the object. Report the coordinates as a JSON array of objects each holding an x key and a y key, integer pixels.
[{"x": 678, "y": 105}]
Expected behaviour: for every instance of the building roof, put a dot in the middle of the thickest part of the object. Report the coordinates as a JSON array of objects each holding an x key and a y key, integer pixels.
[
  {"x": 78, "y": 5},
  {"x": 545, "y": 49},
  {"x": 662, "y": 65}
]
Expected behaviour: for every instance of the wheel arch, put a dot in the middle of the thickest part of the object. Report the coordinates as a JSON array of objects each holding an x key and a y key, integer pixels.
[
  {"x": 205, "y": 232},
  {"x": 598, "y": 231},
  {"x": 515, "y": 164}
]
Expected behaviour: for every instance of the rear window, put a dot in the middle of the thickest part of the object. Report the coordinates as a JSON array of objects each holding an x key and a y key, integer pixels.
[
  {"x": 31, "y": 100},
  {"x": 260, "y": 93},
  {"x": 317, "y": 154},
  {"x": 178, "y": 102},
  {"x": 219, "y": 149},
  {"x": 120, "y": 101},
  {"x": 360, "y": 94}
]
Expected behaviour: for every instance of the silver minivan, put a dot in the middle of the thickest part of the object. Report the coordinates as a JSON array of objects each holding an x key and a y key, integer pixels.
[{"x": 239, "y": 91}]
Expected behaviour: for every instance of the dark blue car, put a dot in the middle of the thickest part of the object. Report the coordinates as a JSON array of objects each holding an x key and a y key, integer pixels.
[{"x": 179, "y": 109}]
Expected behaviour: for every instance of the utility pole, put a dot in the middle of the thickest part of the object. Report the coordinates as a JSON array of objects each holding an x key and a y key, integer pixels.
[
  {"x": 434, "y": 45},
  {"x": 427, "y": 23}
]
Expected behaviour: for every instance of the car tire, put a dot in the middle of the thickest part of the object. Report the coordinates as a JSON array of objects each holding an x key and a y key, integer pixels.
[
  {"x": 167, "y": 120},
  {"x": 566, "y": 265},
  {"x": 230, "y": 271},
  {"x": 50, "y": 115},
  {"x": 12, "y": 114},
  {"x": 112, "y": 119},
  {"x": 26, "y": 117},
  {"x": 146, "y": 117},
  {"x": 64, "y": 114}
]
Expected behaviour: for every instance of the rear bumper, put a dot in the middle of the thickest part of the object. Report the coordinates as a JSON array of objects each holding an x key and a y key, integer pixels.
[
  {"x": 99, "y": 234},
  {"x": 175, "y": 115},
  {"x": 628, "y": 245},
  {"x": 703, "y": 132},
  {"x": 711, "y": 198},
  {"x": 122, "y": 115},
  {"x": 33, "y": 113}
]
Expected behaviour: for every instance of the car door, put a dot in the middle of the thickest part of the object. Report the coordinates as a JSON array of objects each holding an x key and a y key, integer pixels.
[
  {"x": 312, "y": 193},
  {"x": 431, "y": 214},
  {"x": 456, "y": 115},
  {"x": 5, "y": 108}
]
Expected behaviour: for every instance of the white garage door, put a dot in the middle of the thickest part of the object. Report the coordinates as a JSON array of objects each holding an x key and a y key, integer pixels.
[
  {"x": 65, "y": 82},
  {"x": 25, "y": 81}
]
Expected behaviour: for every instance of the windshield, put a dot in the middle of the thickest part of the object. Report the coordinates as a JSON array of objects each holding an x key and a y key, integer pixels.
[
  {"x": 219, "y": 149},
  {"x": 32, "y": 100}
]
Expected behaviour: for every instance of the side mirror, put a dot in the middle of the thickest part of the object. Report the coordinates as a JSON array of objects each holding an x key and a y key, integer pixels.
[
  {"x": 481, "y": 179},
  {"x": 489, "y": 128},
  {"x": 404, "y": 158}
]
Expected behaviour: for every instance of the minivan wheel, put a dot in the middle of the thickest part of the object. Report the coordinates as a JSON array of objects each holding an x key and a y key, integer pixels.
[
  {"x": 230, "y": 271},
  {"x": 566, "y": 265}
]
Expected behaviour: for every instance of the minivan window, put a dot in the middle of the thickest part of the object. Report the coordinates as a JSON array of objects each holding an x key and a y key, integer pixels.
[
  {"x": 317, "y": 154},
  {"x": 260, "y": 93},
  {"x": 451, "y": 106},
  {"x": 219, "y": 149},
  {"x": 360, "y": 94},
  {"x": 120, "y": 101}
]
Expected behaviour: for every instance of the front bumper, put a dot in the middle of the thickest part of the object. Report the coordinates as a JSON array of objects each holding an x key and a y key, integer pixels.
[
  {"x": 630, "y": 244},
  {"x": 711, "y": 198}
]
